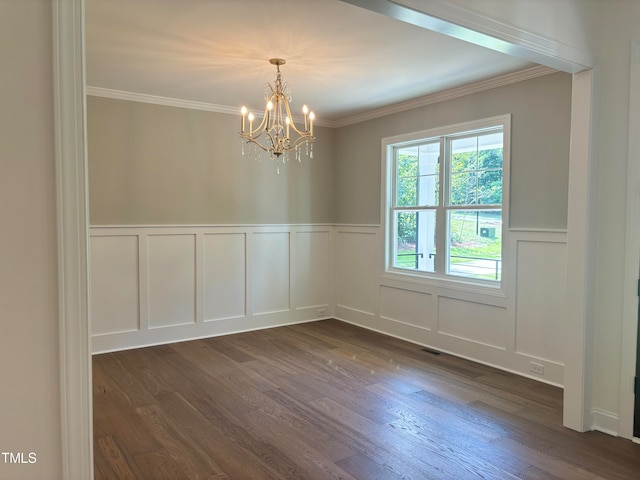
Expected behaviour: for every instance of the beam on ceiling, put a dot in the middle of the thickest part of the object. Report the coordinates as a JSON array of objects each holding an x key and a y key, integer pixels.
[{"x": 457, "y": 22}]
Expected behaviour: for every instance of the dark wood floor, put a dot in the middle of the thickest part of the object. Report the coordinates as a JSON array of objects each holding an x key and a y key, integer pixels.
[{"x": 329, "y": 400}]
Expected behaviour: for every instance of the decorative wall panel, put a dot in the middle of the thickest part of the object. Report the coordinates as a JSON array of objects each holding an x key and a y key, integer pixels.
[
  {"x": 312, "y": 271},
  {"x": 224, "y": 275},
  {"x": 472, "y": 321},
  {"x": 171, "y": 280},
  {"x": 114, "y": 282},
  {"x": 540, "y": 301},
  {"x": 356, "y": 271},
  {"x": 270, "y": 272},
  {"x": 406, "y": 306}
]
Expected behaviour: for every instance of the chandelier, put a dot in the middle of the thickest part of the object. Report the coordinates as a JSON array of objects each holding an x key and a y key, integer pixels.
[{"x": 277, "y": 134}]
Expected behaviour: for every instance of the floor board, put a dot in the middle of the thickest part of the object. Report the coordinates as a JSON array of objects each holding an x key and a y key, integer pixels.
[{"x": 329, "y": 400}]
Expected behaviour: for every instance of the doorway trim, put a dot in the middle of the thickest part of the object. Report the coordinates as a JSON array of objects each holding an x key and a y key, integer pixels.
[
  {"x": 581, "y": 229},
  {"x": 73, "y": 249},
  {"x": 73, "y": 237},
  {"x": 632, "y": 254}
]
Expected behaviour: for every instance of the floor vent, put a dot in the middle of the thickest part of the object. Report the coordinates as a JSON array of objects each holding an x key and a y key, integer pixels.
[{"x": 431, "y": 351}]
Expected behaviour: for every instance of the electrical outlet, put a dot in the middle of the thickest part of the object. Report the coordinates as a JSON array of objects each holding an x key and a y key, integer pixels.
[
  {"x": 321, "y": 312},
  {"x": 536, "y": 368}
]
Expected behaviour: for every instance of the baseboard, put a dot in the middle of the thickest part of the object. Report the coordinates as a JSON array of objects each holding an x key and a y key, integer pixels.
[
  {"x": 150, "y": 338},
  {"x": 604, "y": 421}
]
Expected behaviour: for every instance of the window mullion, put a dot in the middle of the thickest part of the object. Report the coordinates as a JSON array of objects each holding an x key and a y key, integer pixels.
[{"x": 441, "y": 221}]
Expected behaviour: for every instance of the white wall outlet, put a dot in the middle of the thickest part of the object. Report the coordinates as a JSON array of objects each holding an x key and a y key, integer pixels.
[
  {"x": 321, "y": 312},
  {"x": 536, "y": 368}
]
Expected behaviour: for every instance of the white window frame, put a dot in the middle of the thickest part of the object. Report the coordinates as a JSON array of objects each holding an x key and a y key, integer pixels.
[{"x": 440, "y": 277}]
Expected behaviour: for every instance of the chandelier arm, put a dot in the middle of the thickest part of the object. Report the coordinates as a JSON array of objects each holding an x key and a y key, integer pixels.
[
  {"x": 256, "y": 132},
  {"x": 301, "y": 133},
  {"x": 292, "y": 124},
  {"x": 251, "y": 137},
  {"x": 251, "y": 140},
  {"x": 301, "y": 141}
]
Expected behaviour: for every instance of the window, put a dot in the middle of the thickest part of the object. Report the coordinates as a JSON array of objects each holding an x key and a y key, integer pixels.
[{"x": 445, "y": 191}]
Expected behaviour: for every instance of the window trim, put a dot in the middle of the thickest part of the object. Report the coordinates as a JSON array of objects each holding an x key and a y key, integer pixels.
[{"x": 440, "y": 277}]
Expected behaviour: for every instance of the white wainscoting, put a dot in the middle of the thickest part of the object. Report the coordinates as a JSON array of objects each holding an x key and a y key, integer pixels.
[
  {"x": 153, "y": 285},
  {"x": 509, "y": 328}
]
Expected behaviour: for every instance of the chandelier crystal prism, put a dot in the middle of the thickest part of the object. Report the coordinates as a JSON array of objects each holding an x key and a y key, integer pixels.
[{"x": 277, "y": 133}]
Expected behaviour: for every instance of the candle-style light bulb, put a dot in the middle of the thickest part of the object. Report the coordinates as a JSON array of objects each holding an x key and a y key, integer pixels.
[
  {"x": 250, "y": 122},
  {"x": 268, "y": 114},
  {"x": 243, "y": 111},
  {"x": 312, "y": 116},
  {"x": 288, "y": 122}
]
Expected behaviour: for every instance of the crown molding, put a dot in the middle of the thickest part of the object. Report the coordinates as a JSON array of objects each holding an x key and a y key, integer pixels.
[
  {"x": 179, "y": 103},
  {"x": 500, "y": 81},
  {"x": 158, "y": 100},
  {"x": 476, "y": 87}
]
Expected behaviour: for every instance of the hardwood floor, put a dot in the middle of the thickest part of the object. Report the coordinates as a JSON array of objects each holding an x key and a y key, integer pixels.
[{"x": 329, "y": 400}]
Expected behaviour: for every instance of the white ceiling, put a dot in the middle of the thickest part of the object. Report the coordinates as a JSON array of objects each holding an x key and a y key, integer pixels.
[{"x": 342, "y": 60}]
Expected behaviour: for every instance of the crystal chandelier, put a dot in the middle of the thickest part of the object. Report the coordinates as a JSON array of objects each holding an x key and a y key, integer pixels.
[{"x": 274, "y": 133}]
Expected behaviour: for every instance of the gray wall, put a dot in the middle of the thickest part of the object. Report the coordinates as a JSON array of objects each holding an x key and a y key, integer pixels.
[
  {"x": 541, "y": 111},
  {"x": 151, "y": 164},
  {"x": 29, "y": 357},
  {"x": 155, "y": 165}
]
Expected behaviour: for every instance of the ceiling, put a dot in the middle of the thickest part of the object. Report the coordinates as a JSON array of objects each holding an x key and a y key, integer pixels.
[{"x": 342, "y": 60}]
